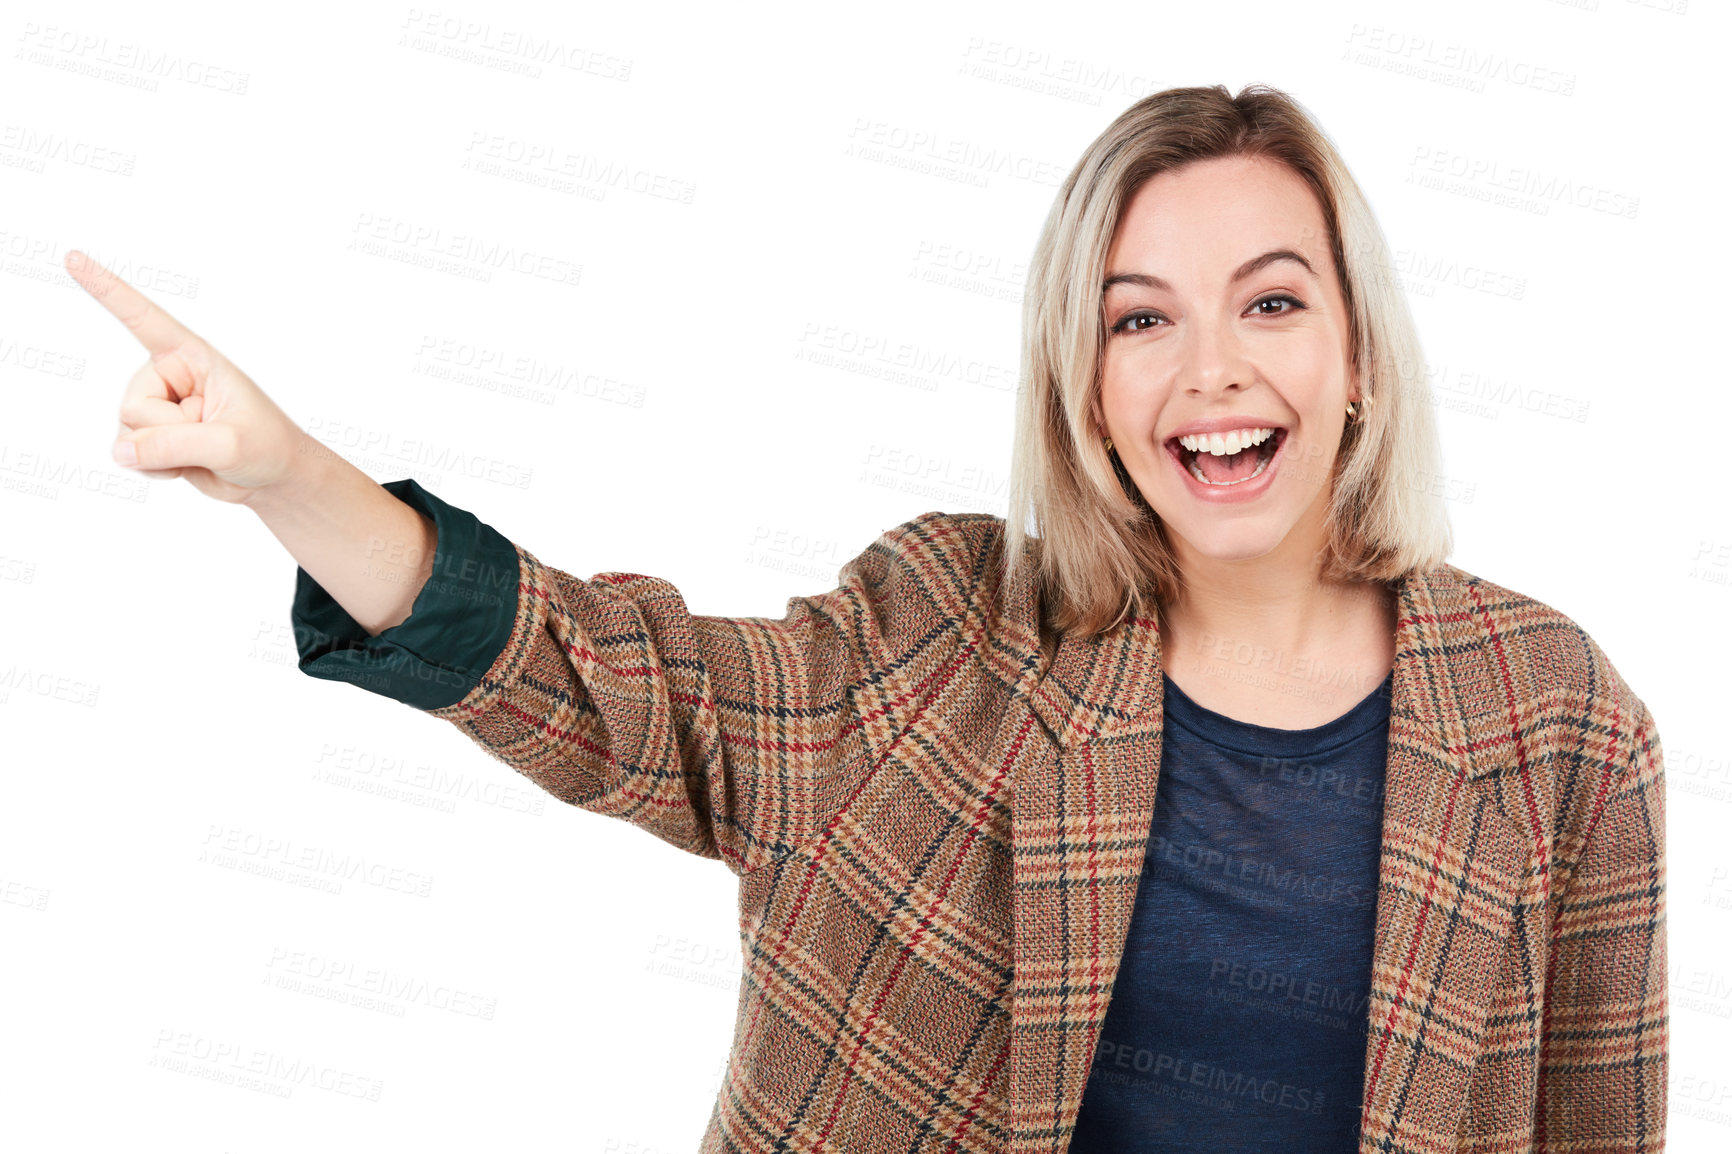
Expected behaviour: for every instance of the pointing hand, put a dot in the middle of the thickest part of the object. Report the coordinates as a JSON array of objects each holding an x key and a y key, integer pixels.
[{"x": 188, "y": 411}]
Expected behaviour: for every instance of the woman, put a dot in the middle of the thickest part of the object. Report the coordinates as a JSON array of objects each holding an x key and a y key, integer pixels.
[{"x": 1222, "y": 813}]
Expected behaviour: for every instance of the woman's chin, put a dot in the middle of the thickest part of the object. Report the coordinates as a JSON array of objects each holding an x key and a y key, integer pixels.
[{"x": 1230, "y": 538}]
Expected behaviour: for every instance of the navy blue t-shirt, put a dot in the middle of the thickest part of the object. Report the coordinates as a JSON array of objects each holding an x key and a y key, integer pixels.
[{"x": 1238, "y": 1018}]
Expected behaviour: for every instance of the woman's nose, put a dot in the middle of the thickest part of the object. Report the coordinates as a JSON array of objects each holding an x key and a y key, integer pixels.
[{"x": 1214, "y": 360}]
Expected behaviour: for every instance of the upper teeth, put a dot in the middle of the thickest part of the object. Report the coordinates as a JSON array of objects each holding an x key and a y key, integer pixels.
[{"x": 1223, "y": 444}]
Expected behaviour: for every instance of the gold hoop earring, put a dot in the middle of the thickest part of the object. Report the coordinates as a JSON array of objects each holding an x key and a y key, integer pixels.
[{"x": 1107, "y": 443}]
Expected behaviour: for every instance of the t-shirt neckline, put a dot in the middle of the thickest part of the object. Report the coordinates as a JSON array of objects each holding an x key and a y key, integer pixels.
[{"x": 1370, "y": 712}]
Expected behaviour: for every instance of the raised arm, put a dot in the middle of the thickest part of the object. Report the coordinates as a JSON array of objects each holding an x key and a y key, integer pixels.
[{"x": 729, "y": 737}]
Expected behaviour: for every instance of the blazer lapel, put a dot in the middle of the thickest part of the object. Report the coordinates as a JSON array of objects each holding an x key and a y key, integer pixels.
[
  {"x": 1450, "y": 871},
  {"x": 1079, "y": 824}
]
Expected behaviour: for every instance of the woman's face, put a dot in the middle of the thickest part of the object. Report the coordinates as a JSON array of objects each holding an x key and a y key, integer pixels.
[{"x": 1215, "y": 333}]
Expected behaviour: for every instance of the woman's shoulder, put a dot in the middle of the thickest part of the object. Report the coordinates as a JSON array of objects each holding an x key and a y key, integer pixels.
[
  {"x": 973, "y": 529},
  {"x": 1532, "y": 649},
  {"x": 1571, "y": 741},
  {"x": 932, "y": 562},
  {"x": 961, "y": 542},
  {"x": 963, "y": 554}
]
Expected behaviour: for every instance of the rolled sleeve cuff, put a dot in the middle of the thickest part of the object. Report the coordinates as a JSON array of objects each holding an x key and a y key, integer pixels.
[{"x": 458, "y": 626}]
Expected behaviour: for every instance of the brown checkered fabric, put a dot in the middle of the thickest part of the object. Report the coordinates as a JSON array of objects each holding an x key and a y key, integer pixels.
[{"x": 938, "y": 828}]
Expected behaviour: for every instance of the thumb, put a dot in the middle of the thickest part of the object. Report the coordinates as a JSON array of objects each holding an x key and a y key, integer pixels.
[{"x": 183, "y": 446}]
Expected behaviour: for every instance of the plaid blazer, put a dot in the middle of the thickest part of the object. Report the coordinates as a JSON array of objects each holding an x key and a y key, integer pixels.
[{"x": 938, "y": 814}]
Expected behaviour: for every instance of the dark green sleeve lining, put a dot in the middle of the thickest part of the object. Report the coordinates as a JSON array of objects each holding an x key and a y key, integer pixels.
[{"x": 458, "y": 626}]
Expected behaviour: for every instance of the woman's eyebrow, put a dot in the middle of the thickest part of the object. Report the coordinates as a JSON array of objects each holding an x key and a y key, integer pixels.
[{"x": 1149, "y": 280}]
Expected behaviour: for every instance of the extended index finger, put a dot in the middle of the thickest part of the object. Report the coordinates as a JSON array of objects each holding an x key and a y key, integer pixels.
[{"x": 155, "y": 329}]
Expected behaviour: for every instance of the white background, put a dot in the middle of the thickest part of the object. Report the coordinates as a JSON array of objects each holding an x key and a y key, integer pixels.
[{"x": 767, "y": 212}]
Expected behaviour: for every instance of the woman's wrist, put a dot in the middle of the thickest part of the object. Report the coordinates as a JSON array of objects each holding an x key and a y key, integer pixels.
[
  {"x": 369, "y": 550},
  {"x": 313, "y": 469}
]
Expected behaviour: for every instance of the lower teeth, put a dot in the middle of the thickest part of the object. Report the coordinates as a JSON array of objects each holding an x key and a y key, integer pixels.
[{"x": 1255, "y": 473}]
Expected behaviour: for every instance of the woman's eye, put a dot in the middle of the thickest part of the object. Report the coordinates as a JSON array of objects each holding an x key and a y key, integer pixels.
[
  {"x": 1294, "y": 301},
  {"x": 1132, "y": 323},
  {"x": 1129, "y": 324}
]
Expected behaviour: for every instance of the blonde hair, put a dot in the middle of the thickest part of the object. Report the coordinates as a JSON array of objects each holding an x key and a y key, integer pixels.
[{"x": 1102, "y": 551}]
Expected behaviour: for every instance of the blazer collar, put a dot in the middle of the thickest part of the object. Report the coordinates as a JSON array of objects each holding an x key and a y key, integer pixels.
[
  {"x": 1448, "y": 859},
  {"x": 1095, "y": 688}
]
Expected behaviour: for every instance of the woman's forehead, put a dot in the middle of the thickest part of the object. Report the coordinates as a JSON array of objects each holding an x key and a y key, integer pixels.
[{"x": 1209, "y": 227}]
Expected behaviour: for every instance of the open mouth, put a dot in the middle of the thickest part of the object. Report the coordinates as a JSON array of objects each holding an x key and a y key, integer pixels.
[{"x": 1227, "y": 458}]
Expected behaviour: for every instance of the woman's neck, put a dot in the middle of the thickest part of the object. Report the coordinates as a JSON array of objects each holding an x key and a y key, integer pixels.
[
  {"x": 1267, "y": 638},
  {"x": 1290, "y": 613}
]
